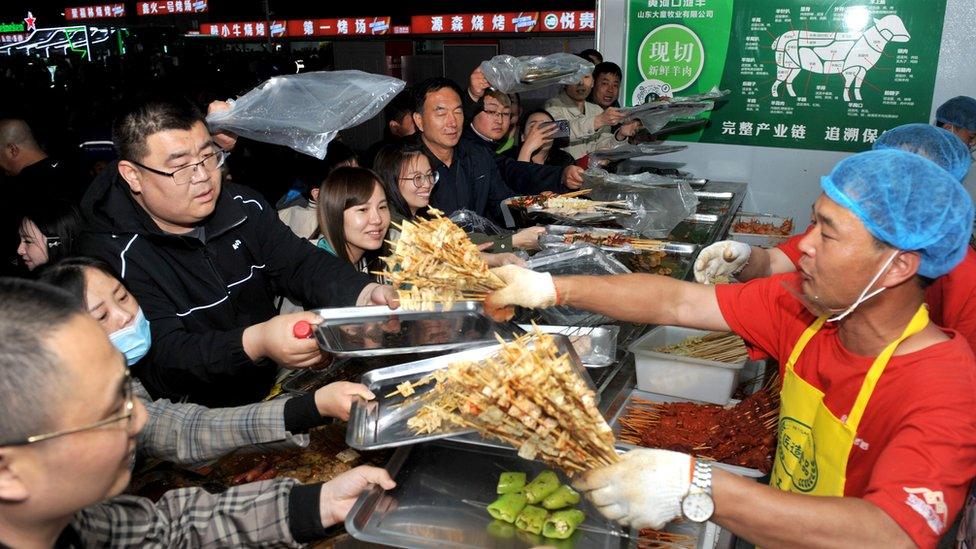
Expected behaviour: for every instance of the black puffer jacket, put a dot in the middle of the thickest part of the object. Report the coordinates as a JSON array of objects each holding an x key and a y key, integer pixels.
[{"x": 199, "y": 296}]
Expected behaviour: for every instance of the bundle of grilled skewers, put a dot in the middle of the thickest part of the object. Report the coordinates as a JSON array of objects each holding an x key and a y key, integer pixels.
[
  {"x": 434, "y": 262},
  {"x": 527, "y": 395},
  {"x": 571, "y": 203},
  {"x": 615, "y": 240},
  {"x": 743, "y": 434}
]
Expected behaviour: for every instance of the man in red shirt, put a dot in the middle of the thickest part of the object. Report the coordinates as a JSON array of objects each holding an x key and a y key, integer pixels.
[
  {"x": 951, "y": 299},
  {"x": 878, "y": 415}
]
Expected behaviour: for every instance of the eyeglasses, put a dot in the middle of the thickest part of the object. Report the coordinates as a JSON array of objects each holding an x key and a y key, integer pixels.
[
  {"x": 418, "y": 180},
  {"x": 500, "y": 114},
  {"x": 126, "y": 415},
  {"x": 184, "y": 175}
]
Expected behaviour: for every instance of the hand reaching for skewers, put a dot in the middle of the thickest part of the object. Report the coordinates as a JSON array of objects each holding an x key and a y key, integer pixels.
[
  {"x": 643, "y": 490},
  {"x": 524, "y": 288}
]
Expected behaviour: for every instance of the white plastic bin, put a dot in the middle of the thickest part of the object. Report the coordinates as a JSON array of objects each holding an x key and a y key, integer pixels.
[{"x": 682, "y": 376}]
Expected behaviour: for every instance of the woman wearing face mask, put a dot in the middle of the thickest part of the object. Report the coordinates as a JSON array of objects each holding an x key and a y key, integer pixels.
[
  {"x": 48, "y": 233},
  {"x": 182, "y": 432},
  {"x": 353, "y": 216},
  {"x": 409, "y": 179}
]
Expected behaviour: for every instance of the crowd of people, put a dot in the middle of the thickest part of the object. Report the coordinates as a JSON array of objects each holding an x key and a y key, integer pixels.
[{"x": 154, "y": 297}]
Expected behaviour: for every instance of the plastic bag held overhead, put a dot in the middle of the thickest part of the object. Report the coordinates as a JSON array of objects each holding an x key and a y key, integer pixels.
[
  {"x": 306, "y": 111},
  {"x": 509, "y": 74}
]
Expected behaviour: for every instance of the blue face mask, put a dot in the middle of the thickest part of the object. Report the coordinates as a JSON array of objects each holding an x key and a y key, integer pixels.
[{"x": 134, "y": 340}]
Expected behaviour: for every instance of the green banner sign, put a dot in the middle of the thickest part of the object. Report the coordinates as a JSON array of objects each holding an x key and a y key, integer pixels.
[
  {"x": 11, "y": 27},
  {"x": 802, "y": 73}
]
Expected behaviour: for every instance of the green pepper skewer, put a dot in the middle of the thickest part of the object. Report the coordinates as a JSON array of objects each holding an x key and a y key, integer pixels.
[
  {"x": 531, "y": 519},
  {"x": 507, "y": 507},
  {"x": 564, "y": 496},
  {"x": 541, "y": 486},
  {"x": 562, "y": 524},
  {"x": 510, "y": 482}
]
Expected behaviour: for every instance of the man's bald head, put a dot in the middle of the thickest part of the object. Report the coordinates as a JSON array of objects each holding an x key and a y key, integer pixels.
[{"x": 18, "y": 147}]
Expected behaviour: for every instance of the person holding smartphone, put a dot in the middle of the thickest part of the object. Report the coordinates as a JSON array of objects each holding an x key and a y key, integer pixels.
[{"x": 539, "y": 136}]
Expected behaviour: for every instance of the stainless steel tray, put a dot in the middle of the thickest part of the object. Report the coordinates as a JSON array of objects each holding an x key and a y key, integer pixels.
[
  {"x": 596, "y": 346},
  {"x": 382, "y": 422},
  {"x": 440, "y": 499},
  {"x": 702, "y": 218},
  {"x": 715, "y": 195},
  {"x": 557, "y": 242},
  {"x": 679, "y": 258},
  {"x": 377, "y": 331},
  {"x": 619, "y": 406}
]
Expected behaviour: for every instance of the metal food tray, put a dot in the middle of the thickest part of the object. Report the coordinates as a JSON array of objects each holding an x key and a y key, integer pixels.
[
  {"x": 679, "y": 257},
  {"x": 440, "y": 501},
  {"x": 757, "y": 239},
  {"x": 557, "y": 242},
  {"x": 382, "y": 422},
  {"x": 599, "y": 342},
  {"x": 377, "y": 331},
  {"x": 619, "y": 406},
  {"x": 579, "y": 259}
]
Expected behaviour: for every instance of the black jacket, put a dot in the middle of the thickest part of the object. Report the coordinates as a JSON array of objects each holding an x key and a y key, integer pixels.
[
  {"x": 471, "y": 182},
  {"x": 523, "y": 178},
  {"x": 199, "y": 296}
]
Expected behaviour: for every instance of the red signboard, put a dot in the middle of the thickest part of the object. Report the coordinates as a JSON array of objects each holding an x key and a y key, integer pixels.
[
  {"x": 171, "y": 7},
  {"x": 462, "y": 23},
  {"x": 100, "y": 11},
  {"x": 245, "y": 30},
  {"x": 476, "y": 23},
  {"x": 347, "y": 26}
]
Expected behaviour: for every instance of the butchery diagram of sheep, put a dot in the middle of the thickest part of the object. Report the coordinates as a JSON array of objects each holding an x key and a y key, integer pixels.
[{"x": 828, "y": 75}]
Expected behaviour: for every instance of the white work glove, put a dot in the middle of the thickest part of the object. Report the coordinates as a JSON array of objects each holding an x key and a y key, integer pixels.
[
  {"x": 643, "y": 490},
  {"x": 725, "y": 258},
  {"x": 523, "y": 287}
]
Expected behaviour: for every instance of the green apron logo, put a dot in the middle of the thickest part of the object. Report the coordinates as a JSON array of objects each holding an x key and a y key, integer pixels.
[
  {"x": 672, "y": 54},
  {"x": 797, "y": 453}
]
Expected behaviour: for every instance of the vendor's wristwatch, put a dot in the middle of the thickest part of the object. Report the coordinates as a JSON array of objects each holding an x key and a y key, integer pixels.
[{"x": 698, "y": 506}]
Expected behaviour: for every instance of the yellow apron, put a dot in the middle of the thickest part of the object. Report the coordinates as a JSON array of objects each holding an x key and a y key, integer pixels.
[{"x": 811, "y": 456}]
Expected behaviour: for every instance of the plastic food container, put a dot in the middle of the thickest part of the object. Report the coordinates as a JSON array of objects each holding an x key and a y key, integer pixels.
[
  {"x": 682, "y": 376},
  {"x": 761, "y": 240}
]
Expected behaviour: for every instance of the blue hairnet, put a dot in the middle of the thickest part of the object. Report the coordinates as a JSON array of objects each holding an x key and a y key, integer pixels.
[
  {"x": 960, "y": 111},
  {"x": 908, "y": 202},
  {"x": 938, "y": 145}
]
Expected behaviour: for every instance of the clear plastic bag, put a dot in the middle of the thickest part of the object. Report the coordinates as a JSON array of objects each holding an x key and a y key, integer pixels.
[
  {"x": 474, "y": 223},
  {"x": 624, "y": 152},
  {"x": 306, "y": 111},
  {"x": 658, "y": 206},
  {"x": 594, "y": 177},
  {"x": 580, "y": 259},
  {"x": 655, "y": 115},
  {"x": 509, "y": 74}
]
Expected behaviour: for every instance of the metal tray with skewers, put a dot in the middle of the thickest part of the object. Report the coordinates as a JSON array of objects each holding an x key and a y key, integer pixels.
[
  {"x": 568, "y": 207},
  {"x": 625, "y": 401},
  {"x": 609, "y": 240},
  {"x": 376, "y": 331},
  {"x": 382, "y": 422}
]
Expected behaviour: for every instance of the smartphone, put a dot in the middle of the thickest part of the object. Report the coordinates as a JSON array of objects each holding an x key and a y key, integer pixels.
[{"x": 562, "y": 128}]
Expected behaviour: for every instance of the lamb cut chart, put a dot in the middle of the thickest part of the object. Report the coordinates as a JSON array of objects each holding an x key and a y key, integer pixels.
[{"x": 852, "y": 54}]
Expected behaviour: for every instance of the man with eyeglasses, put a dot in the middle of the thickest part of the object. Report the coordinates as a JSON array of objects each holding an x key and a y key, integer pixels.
[
  {"x": 206, "y": 260},
  {"x": 68, "y": 428},
  {"x": 489, "y": 125}
]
